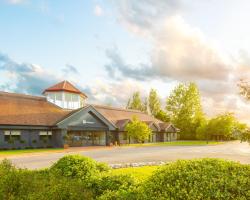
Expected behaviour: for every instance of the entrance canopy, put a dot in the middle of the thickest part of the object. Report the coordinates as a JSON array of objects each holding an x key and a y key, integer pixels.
[{"x": 86, "y": 118}]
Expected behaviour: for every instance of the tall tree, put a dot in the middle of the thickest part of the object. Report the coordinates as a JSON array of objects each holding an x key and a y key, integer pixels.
[
  {"x": 136, "y": 103},
  {"x": 154, "y": 103},
  {"x": 163, "y": 116},
  {"x": 184, "y": 107}
]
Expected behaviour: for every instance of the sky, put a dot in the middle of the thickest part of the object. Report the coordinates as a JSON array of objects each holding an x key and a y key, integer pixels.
[{"x": 110, "y": 48}]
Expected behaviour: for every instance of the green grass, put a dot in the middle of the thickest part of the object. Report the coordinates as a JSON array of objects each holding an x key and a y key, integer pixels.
[
  {"x": 26, "y": 151},
  {"x": 178, "y": 143},
  {"x": 139, "y": 173}
]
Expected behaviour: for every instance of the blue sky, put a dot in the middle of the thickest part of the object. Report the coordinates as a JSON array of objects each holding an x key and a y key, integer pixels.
[
  {"x": 53, "y": 34},
  {"x": 112, "y": 48}
]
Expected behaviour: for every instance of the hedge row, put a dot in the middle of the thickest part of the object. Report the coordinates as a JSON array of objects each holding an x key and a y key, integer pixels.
[{"x": 76, "y": 177}]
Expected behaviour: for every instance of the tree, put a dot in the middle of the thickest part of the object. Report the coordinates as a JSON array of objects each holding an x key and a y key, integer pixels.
[
  {"x": 163, "y": 116},
  {"x": 201, "y": 131},
  {"x": 145, "y": 106},
  {"x": 244, "y": 91},
  {"x": 184, "y": 107},
  {"x": 154, "y": 103},
  {"x": 241, "y": 132},
  {"x": 138, "y": 130},
  {"x": 136, "y": 103},
  {"x": 223, "y": 125},
  {"x": 244, "y": 88}
]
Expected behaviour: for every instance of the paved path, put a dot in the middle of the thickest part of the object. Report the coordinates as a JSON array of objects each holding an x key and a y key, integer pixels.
[{"x": 232, "y": 150}]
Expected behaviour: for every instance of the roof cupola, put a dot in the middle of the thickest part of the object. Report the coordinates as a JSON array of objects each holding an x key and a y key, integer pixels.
[{"x": 65, "y": 95}]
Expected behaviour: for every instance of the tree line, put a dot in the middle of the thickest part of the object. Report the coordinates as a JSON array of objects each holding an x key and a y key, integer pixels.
[{"x": 183, "y": 108}]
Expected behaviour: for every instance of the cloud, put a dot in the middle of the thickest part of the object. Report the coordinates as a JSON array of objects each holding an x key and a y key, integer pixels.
[
  {"x": 25, "y": 77},
  {"x": 117, "y": 66},
  {"x": 98, "y": 11},
  {"x": 144, "y": 15},
  {"x": 30, "y": 78},
  {"x": 180, "y": 52},
  {"x": 114, "y": 93},
  {"x": 70, "y": 69}
]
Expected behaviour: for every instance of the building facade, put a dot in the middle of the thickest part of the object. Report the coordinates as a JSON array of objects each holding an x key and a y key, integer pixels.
[{"x": 63, "y": 116}]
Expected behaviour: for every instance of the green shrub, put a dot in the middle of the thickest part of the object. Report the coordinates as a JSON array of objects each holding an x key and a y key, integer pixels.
[
  {"x": 49, "y": 186},
  {"x": 110, "y": 182},
  {"x": 102, "y": 167},
  {"x": 76, "y": 166},
  {"x": 121, "y": 194},
  {"x": 199, "y": 179},
  {"x": 192, "y": 180},
  {"x": 32, "y": 185}
]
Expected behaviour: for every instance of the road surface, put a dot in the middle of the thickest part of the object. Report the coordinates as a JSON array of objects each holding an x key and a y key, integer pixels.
[{"x": 232, "y": 151}]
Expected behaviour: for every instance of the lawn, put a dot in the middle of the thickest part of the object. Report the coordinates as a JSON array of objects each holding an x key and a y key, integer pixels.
[
  {"x": 139, "y": 173},
  {"x": 26, "y": 151},
  {"x": 179, "y": 143}
]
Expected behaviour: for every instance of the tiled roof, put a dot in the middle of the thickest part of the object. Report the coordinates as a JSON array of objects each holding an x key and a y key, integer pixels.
[
  {"x": 165, "y": 125},
  {"x": 119, "y": 116},
  {"x": 168, "y": 127},
  {"x": 19, "y": 109},
  {"x": 64, "y": 86},
  {"x": 121, "y": 124}
]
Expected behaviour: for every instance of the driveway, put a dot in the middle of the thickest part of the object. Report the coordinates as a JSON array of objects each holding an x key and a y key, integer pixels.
[{"x": 232, "y": 150}]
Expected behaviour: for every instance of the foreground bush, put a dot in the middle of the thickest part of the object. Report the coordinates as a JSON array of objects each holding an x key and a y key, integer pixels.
[
  {"x": 76, "y": 166},
  {"x": 110, "y": 182},
  {"x": 77, "y": 177},
  {"x": 32, "y": 185},
  {"x": 199, "y": 179}
]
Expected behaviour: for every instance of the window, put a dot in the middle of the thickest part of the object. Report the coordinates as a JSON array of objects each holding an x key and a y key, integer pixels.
[
  {"x": 124, "y": 136},
  {"x": 74, "y": 97},
  {"x": 51, "y": 97},
  {"x": 12, "y": 135},
  {"x": 59, "y": 96},
  {"x": 45, "y": 135}
]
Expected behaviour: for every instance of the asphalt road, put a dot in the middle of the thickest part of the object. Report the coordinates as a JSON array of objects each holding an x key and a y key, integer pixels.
[{"x": 233, "y": 151}]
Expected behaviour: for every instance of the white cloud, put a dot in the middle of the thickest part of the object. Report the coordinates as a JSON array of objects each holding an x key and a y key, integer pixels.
[
  {"x": 31, "y": 78},
  {"x": 98, "y": 11},
  {"x": 114, "y": 92},
  {"x": 182, "y": 52}
]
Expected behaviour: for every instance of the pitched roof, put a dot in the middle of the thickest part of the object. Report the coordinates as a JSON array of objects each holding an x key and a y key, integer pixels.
[
  {"x": 64, "y": 86},
  {"x": 19, "y": 109},
  {"x": 168, "y": 127},
  {"x": 120, "y": 117},
  {"x": 121, "y": 124},
  {"x": 115, "y": 115}
]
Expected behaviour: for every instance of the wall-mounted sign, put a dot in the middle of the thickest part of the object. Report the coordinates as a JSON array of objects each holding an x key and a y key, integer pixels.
[{"x": 87, "y": 122}]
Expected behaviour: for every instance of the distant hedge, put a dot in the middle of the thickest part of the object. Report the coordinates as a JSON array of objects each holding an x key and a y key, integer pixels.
[{"x": 76, "y": 177}]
